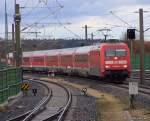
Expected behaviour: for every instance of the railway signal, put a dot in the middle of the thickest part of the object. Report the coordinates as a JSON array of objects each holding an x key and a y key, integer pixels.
[
  {"x": 131, "y": 37},
  {"x": 131, "y": 34}
]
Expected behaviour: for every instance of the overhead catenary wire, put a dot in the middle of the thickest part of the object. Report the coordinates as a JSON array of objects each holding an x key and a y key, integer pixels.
[
  {"x": 76, "y": 35},
  {"x": 30, "y": 11},
  {"x": 34, "y": 23},
  {"x": 51, "y": 13},
  {"x": 120, "y": 19},
  {"x": 60, "y": 23},
  {"x": 26, "y": 3}
]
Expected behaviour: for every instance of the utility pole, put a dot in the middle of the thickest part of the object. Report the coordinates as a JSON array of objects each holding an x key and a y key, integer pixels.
[
  {"x": 86, "y": 36},
  {"x": 142, "y": 76},
  {"x": 17, "y": 36},
  {"x": 92, "y": 36},
  {"x": 6, "y": 30},
  {"x": 14, "y": 45}
]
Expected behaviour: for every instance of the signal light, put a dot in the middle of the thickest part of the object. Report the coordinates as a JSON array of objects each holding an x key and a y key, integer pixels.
[{"x": 131, "y": 33}]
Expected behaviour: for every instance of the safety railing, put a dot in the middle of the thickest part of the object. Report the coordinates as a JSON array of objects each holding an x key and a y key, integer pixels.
[
  {"x": 135, "y": 61},
  {"x": 10, "y": 80}
]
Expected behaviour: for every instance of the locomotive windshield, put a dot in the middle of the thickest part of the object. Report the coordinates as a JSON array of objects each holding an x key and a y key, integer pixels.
[
  {"x": 115, "y": 52},
  {"x": 120, "y": 52}
]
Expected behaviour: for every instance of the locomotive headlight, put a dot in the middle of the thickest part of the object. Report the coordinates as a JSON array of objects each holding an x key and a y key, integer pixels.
[
  {"x": 107, "y": 66},
  {"x": 125, "y": 66}
]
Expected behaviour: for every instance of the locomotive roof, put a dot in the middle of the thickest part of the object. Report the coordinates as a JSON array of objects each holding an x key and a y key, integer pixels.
[{"x": 120, "y": 43}]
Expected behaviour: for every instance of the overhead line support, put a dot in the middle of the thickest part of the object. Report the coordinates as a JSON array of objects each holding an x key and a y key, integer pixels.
[
  {"x": 17, "y": 19},
  {"x": 142, "y": 76}
]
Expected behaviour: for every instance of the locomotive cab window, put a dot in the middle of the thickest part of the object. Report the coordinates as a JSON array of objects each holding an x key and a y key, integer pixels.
[
  {"x": 110, "y": 52},
  {"x": 120, "y": 52},
  {"x": 115, "y": 52}
]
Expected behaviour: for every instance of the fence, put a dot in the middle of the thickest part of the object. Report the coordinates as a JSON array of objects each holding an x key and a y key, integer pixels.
[
  {"x": 135, "y": 61},
  {"x": 10, "y": 80},
  {"x": 2, "y": 65}
]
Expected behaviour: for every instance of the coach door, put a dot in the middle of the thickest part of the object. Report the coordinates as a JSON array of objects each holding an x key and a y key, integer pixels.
[{"x": 95, "y": 63}]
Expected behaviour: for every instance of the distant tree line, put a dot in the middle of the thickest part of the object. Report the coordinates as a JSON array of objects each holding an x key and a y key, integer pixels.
[{"x": 47, "y": 44}]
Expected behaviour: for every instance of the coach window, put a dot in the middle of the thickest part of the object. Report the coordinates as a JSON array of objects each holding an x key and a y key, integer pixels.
[
  {"x": 38, "y": 59},
  {"x": 81, "y": 58},
  {"x": 66, "y": 58},
  {"x": 52, "y": 59},
  {"x": 25, "y": 59}
]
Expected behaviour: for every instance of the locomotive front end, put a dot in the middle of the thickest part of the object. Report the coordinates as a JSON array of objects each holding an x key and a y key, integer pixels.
[{"x": 117, "y": 61}]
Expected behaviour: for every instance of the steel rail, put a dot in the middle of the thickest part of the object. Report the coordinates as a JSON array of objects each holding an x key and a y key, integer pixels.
[
  {"x": 136, "y": 74},
  {"x": 60, "y": 115},
  {"x": 20, "y": 117},
  {"x": 40, "y": 105},
  {"x": 29, "y": 114}
]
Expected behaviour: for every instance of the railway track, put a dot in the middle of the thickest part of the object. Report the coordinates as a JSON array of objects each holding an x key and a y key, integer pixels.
[
  {"x": 52, "y": 107},
  {"x": 142, "y": 89},
  {"x": 136, "y": 75},
  {"x": 118, "y": 90}
]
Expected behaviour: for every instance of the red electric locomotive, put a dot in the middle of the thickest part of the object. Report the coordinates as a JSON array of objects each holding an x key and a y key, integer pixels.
[{"x": 104, "y": 60}]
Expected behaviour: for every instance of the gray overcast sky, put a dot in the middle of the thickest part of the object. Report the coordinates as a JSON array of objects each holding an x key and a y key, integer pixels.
[{"x": 95, "y": 13}]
